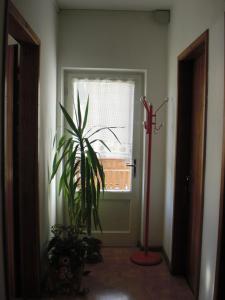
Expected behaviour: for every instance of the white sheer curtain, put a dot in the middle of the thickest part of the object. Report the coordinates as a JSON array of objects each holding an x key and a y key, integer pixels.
[{"x": 110, "y": 104}]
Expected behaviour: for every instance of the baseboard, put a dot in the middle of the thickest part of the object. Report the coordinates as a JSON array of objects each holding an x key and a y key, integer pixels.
[
  {"x": 166, "y": 258},
  {"x": 150, "y": 248},
  {"x": 155, "y": 248}
]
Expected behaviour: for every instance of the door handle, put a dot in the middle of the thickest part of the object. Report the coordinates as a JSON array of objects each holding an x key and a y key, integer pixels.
[
  {"x": 188, "y": 178},
  {"x": 133, "y": 166},
  {"x": 187, "y": 182}
]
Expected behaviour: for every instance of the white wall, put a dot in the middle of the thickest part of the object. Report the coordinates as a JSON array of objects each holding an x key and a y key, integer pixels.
[
  {"x": 125, "y": 40},
  {"x": 189, "y": 19},
  {"x": 42, "y": 17},
  {"x": 2, "y": 275}
]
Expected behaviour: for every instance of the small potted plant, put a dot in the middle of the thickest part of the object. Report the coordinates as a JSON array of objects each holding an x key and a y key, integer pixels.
[{"x": 66, "y": 256}]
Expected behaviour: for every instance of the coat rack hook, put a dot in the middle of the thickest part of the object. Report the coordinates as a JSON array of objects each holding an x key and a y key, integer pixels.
[{"x": 162, "y": 104}]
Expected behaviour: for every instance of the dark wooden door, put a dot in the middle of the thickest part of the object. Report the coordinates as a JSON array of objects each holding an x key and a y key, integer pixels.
[
  {"x": 219, "y": 290},
  {"x": 22, "y": 216},
  {"x": 10, "y": 203},
  {"x": 190, "y": 162},
  {"x": 195, "y": 174},
  {"x": 221, "y": 275}
]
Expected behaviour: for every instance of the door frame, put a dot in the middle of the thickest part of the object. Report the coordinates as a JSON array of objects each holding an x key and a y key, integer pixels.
[
  {"x": 138, "y": 76},
  {"x": 3, "y": 38},
  {"x": 220, "y": 261},
  {"x": 179, "y": 225},
  {"x": 28, "y": 210},
  {"x": 10, "y": 169}
]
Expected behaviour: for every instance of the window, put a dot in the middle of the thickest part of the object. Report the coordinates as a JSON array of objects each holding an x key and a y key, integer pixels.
[{"x": 110, "y": 105}]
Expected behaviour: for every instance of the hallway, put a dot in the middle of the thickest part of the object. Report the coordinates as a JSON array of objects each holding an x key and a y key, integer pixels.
[
  {"x": 119, "y": 279},
  {"x": 139, "y": 44}
]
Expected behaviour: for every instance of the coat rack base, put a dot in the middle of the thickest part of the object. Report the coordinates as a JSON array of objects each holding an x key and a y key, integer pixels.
[{"x": 143, "y": 258}]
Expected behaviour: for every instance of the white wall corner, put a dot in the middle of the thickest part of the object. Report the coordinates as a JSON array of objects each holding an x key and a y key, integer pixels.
[{"x": 56, "y": 5}]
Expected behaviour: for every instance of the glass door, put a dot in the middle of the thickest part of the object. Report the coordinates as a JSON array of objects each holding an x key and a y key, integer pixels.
[{"x": 114, "y": 105}]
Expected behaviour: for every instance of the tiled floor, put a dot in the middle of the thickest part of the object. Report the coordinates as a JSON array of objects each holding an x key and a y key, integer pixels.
[{"x": 119, "y": 279}]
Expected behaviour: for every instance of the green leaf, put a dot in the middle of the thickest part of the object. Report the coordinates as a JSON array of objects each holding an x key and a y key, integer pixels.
[
  {"x": 114, "y": 134},
  {"x": 70, "y": 155},
  {"x": 105, "y": 128},
  {"x": 69, "y": 158},
  {"x": 83, "y": 176},
  {"x": 75, "y": 111},
  {"x": 85, "y": 115},
  {"x": 93, "y": 189},
  {"x": 97, "y": 219},
  {"x": 102, "y": 142},
  {"x": 54, "y": 165},
  {"x": 95, "y": 163},
  {"x": 61, "y": 142},
  {"x": 56, "y": 162},
  {"x": 54, "y": 140},
  {"x": 71, "y": 132},
  {"x": 98, "y": 192},
  {"x": 70, "y": 121},
  {"x": 88, "y": 197},
  {"x": 97, "y": 130},
  {"x": 92, "y": 157},
  {"x": 61, "y": 182},
  {"x": 79, "y": 111}
]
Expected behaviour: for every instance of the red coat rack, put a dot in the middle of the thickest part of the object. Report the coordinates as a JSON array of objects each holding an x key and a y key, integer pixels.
[{"x": 147, "y": 258}]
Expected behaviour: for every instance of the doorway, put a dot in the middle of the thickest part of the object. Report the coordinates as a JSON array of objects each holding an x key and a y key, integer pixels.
[
  {"x": 219, "y": 292},
  {"x": 114, "y": 102},
  {"x": 190, "y": 162},
  {"x": 21, "y": 209},
  {"x": 220, "y": 267},
  {"x": 3, "y": 25}
]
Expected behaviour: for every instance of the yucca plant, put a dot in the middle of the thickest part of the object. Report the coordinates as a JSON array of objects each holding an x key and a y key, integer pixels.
[{"x": 82, "y": 178}]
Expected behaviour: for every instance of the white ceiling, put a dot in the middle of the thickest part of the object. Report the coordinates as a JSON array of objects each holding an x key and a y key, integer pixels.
[{"x": 115, "y": 4}]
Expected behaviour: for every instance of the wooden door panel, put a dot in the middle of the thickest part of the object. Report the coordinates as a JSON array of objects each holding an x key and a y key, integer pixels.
[
  {"x": 190, "y": 161},
  {"x": 25, "y": 164},
  {"x": 219, "y": 290},
  {"x": 11, "y": 74},
  {"x": 28, "y": 170},
  {"x": 196, "y": 174}
]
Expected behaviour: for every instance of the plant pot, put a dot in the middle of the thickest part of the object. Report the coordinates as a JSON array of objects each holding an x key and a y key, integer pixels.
[
  {"x": 66, "y": 259},
  {"x": 93, "y": 255}
]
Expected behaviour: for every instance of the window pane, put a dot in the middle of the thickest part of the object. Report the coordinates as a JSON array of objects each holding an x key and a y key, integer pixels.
[{"x": 110, "y": 105}]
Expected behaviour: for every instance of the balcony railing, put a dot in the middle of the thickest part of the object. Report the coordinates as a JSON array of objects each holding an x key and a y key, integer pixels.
[{"x": 117, "y": 174}]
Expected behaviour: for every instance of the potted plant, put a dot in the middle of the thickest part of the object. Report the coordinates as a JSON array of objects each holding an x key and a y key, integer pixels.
[
  {"x": 66, "y": 257},
  {"x": 82, "y": 178}
]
